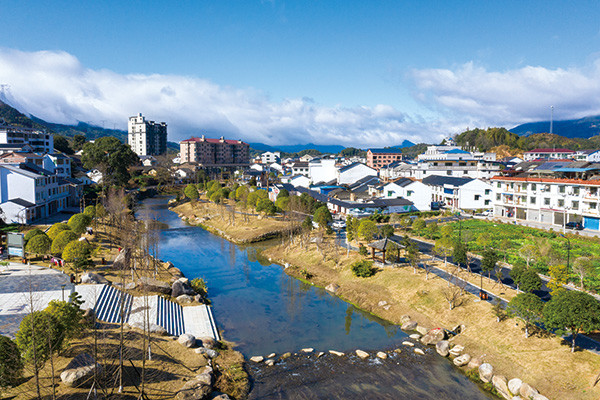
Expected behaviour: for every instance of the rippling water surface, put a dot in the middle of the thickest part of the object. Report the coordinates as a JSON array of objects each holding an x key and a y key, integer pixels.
[{"x": 263, "y": 310}]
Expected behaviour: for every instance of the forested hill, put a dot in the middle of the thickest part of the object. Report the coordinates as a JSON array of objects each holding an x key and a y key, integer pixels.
[
  {"x": 585, "y": 128},
  {"x": 492, "y": 138}
]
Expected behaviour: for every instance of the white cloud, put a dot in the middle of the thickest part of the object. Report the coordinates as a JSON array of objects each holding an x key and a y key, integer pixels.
[
  {"x": 56, "y": 87},
  {"x": 513, "y": 96}
]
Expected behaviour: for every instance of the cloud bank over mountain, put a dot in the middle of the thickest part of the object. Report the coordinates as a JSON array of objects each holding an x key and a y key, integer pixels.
[
  {"x": 55, "y": 86},
  {"x": 511, "y": 97}
]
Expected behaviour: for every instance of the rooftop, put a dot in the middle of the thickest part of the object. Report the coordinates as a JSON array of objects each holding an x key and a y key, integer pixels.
[
  {"x": 386, "y": 151},
  {"x": 550, "y": 151}
]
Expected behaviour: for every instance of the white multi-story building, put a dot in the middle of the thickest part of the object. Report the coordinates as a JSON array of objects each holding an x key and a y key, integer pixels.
[
  {"x": 28, "y": 193},
  {"x": 300, "y": 168},
  {"x": 548, "y": 200},
  {"x": 58, "y": 163},
  {"x": 40, "y": 142},
  {"x": 548, "y": 154},
  {"x": 270, "y": 157},
  {"x": 460, "y": 193},
  {"x": 417, "y": 192},
  {"x": 147, "y": 138}
]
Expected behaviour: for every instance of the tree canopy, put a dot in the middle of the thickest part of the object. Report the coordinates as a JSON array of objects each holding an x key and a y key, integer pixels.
[
  {"x": 322, "y": 216},
  {"x": 191, "y": 192},
  {"x": 39, "y": 244},
  {"x": 79, "y": 222},
  {"x": 573, "y": 311},
  {"x": 56, "y": 229},
  {"x": 111, "y": 157},
  {"x": 528, "y": 307},
  {"x": 62, "y": 240},
  {"x": 367, "y": 229}
]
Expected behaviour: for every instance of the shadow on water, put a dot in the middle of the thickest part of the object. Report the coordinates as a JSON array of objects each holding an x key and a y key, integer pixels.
[{"x": 263, "y": 310}]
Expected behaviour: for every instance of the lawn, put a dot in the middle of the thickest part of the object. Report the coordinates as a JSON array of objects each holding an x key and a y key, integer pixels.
[{"x": 509, "y": 239}]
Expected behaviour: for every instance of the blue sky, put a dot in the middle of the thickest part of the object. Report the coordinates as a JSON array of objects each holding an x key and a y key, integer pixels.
[{"x": 304, "y": 71}]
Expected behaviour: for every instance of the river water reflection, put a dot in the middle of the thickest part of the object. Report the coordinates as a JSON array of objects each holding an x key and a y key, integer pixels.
[{"x": 263, "y": 310}]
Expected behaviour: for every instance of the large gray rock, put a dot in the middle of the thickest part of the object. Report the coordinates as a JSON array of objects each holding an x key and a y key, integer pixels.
[
  {"x": 210, "y": 353},
  {"x": 209, "y": 342},
  {"x": 362, "y": 354},
  {"x": 463, "y": 360},
  {"x": 486, "y": 372},
  {"x": 187, "y": 340},
  {"x": 514, "y": 385},
  {"x": 120, "y": 260},
  {"x": 185, "y": 299},
  {"x": 409, "y": 326},
  {"x": 443, "y": 348},
  {"x": 153, "y": 285},
  {"x": 152, "y": 327},
  {"x": 527, "y": 391},
  {"x": 90, "y": 277},
  {"x": 422, "y": 330},
  {"x": 501, "y": 386},
  {"x": 332, "y": 287},
  {"x": 433, "y": 336},
  {"x": 194, "y": 389},
  {"x": 220, "y": 396},
  {"x": 457, "y": 350},
  {"x": 80, "y": 370},
  {"x": 181, "y": 288},
  {"x": 206, "y": 376}
]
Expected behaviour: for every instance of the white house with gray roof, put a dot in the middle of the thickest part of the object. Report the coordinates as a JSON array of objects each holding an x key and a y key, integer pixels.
[{"x": 415, "y": 191}]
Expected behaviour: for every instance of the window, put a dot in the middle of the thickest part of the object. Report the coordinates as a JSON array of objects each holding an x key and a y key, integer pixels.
[
  {"x": 448, "y": 172},
  {"x": 561, "y": 203},
  {"x": 593, "y": 206},
  {"x": 487, "y": 191},
  {"x": 546, "y": 201},
  {"x": 576, "y": 191},
  {"x": 532, "y": 200},
  {"x": 409, "y": 193},
  {"x": 487, "y": 202},
  {"x": 477, "y": 197},
  {"x": 561, "y": 189},
  {"x": 498, "y": 197},
  {"x": 499, "y": 185},
  {"x": 533, "y": 187},
  {"x": 575, "y": 205}
]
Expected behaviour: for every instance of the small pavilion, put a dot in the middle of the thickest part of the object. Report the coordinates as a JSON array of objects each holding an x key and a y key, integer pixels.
[{"x": 381, "y": 247}]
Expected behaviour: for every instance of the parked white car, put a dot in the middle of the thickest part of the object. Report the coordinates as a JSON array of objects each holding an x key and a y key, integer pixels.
[{"x": 338, "y": 225}]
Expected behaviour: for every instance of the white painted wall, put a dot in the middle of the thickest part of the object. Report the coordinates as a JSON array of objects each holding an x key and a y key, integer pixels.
[
  {"x": 323, "y": 170},
  {"x": 358, "y": 171}
]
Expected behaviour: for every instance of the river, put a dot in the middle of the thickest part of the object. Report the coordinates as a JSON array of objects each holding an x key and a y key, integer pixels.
[{"x": 263, "y": 310}]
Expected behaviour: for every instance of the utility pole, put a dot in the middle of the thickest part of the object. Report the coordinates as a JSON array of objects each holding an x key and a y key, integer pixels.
[{"x": 551, "y": 118}]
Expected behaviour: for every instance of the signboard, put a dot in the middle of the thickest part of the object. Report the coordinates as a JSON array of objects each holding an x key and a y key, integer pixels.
[
  {"x": 16, "y": 244},
  {"x": 15, "y": 251}
]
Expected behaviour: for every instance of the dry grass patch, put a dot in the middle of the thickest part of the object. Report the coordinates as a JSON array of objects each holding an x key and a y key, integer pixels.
[
  {"x": 239, "y": 229},
  {"x": 540, "y": 360}
]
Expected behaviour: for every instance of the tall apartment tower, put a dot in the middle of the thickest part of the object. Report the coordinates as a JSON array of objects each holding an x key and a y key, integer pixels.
[{"x": 147, "y": 138}]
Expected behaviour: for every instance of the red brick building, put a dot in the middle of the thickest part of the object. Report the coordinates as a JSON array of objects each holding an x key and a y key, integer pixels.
[
  {"x": 209, "y": 152},
  {"x": 377, "y": 158}
]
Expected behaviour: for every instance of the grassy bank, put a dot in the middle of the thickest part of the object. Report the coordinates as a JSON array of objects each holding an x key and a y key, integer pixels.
[
  {"x": 220, "y": 219},
  {"x": 539, "y": 360}
]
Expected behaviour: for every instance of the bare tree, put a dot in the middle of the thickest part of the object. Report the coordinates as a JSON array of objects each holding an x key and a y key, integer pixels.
[{"x": 454, "y": 293}]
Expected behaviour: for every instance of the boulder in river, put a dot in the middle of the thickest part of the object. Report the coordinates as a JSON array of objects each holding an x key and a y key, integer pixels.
[
  {"x": 362, "y": 354},
  {"x": 336, "y": 353},
  {"x": 415, "y": 336},
  {"x": 443, "y": 348},
  {"x": 382, "y": 355},
  {"x": 307, "y": 350},
  {"x": 419, "y": 351},
  {"x": 257, "y": 359}
]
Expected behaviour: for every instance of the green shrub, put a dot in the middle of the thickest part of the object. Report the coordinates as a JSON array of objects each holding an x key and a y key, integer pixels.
[
  {"x": 56, "y": 229},
  {"x": 79, "y": 222},
  {"x": 39, "y": 336},
  {"x": 199, "y": 286},
  {"x": 62, "y": 240},
  {"x": 39, "y": 244},
  {"x": 11, "y": 365},
  {"x": 362, "y": 250},
  {"x": 363, "y": 269},
  {"x": 90, "y": 211},
  {"x": 32, "y": 233}
]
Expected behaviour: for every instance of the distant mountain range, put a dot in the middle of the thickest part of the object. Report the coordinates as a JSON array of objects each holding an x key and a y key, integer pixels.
[
  {"x": 323, "y": 148},
  {"x": 573, "y": 128}
]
